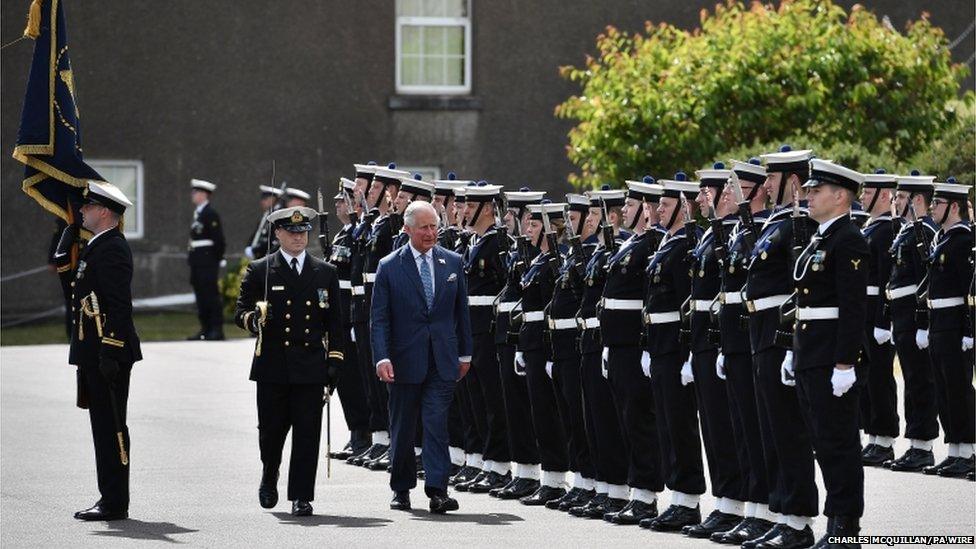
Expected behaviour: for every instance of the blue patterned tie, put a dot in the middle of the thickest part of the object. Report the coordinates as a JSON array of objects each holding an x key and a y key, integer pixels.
[{"x": 426, "y": 280}]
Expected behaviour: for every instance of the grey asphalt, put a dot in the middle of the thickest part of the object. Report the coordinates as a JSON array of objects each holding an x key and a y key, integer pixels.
[{"x": 195, "y": 471}]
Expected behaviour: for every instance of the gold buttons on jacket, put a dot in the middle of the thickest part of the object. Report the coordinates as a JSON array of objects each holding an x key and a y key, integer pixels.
[
  {"x": 806, "y": 290},
  {"x": 308, "y": 303},
  {"x": 287, "y": 343},
  {"x": 306, "y": 330},
  {"x": 308, "y": 317},
  {"x": 287, "y": 316},
  {"x": 287, "y": 302}
]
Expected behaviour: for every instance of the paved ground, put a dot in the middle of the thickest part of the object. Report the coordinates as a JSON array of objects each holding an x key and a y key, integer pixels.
[{"x": 195, "y": 473}]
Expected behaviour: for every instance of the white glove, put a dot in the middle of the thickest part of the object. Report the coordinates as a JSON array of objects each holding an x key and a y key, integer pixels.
[
  {"x": 720, "y": 366},
  {"x": 223, "y": 263},
  {"x": 842, "y": 381},
  {"x": 646, "y": 363},
  {"x": 352, "y": 335},
  {"x": 249, "y": 252},
  {"x": 687, "y": 376},
  {"x": 967, "y": 343},
  {"x": 605, "y": 358},
  {"x": 922, "y": 339},
  {"x": 519, "y": 364},
  {"x": 549, "y": 369},
  {"x": 882, "y": 336},
  {"x": 786, "y": 371}
]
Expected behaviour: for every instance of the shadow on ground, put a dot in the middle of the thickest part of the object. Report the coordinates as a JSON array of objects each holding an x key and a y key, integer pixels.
[
  {"x": 486, "y": 519},
  {"x": 332, "y": 520},
  {"x": 138, "y": 529}
]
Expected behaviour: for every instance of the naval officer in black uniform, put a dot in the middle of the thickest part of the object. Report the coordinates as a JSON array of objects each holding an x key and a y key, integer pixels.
[
  {"x": 206, "y": 257},
  {"x": 298, "y": 354},
  {"x": 104, "y": 342}
]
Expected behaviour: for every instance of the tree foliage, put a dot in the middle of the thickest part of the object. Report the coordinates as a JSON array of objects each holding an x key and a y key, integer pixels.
[{"x": 669, "y": 99}]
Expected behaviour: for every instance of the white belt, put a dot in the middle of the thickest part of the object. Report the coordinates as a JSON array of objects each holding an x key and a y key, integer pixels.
[
  {"x": 588, "y": 323},
  {"x": 369, "y": 278},
  {"x": 662, "y": 318},
  {"x": 764, "y": 303},
  {"x": 898, "y": 293},
  {"x": 874, "y": 290},
  {"x": 562, "y": 324},
  {"x": 732, "y": 298},
  {"x": 817, "y": 313},
  {"x": 946, "y": 302},
  {"x": 345, "y": 284},
  {"x": 506, "y": 306},
  {"x": 622, "y": 304},
  {"x": 201, "y": 243},
  {"x": 533, "y": 316},
  {"x": 358, "y": 290},
  {"x": 702, "y": 305},
  {"x": 481, "y": 300}
]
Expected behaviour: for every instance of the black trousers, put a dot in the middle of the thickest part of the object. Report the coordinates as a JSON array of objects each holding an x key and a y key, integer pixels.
[
  {"x": 724, "y": 472},
  {"x": 879, "y": 403},
  {"x": 210, "y": 311},
  {"x": 113, "y": 477},
  {"x": 607, "y": 448},
  {"x": 549, "y": 432},
  {"x": 677, "y": 420},
  {"x": 455, "y": 425},
  {"x": 298, "y": 408},
  {"x": 745, "y": 427},
  {"x": 377, "y": 395},
  {"x": 472, "y": 423},
  {"x": 487, "y": 381},
  {"x": 521, "y": 431},
  {"x": 641, "y": 425},
  {"x": 833, "y": 423},
  {"x": 786, "y": 442},
  {"x": 921, "y": 409},
  {"x": 569, "y": 399},
  {"x": 352, "y": 390},
  {"x": 954, "y": 385}
]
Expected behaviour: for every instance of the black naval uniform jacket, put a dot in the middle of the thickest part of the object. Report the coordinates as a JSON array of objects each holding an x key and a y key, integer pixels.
[
  {"x": 511, "y": 292},
  {"x": 538, "y": 283},
  {"x": 566, "y": 299},
  {"x": 950, "y": 275},
  {"x": 668, "y": 285},
  {"x": 907, "y": 270},
  {"x": 832, "y": 271},
  {"x": 706, "y": 282},
  {"x": 625, "y": 280},
  {"x": 359, "y": 244},
  {"x": 879, "y": 234},
  {"x": 378, "y": 245},
  {"x": 770, "y": 265},
  {"x": 259, "y": 239},
  {"x": 447, "y": 237},
  {"x": 341, "y": 259},
  {"x": 485, "y": 269},
  {"x": 733, "y": 317},
  {"x": 105, "y": 271},
  {"x": 594, "y": 280},
  {"x": 206, "y": 226},
  {"x": 305, "y": 327}
]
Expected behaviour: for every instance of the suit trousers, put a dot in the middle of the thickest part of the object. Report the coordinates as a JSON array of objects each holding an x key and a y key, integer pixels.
[
  {"x": 352, "y": 390},
  {"x": 833, "y": 423},
  {"x": 954, "y": 385},
  {"x": 429, "y": 401},
  {"x": 521, "y": 433},
  {"x": 607, "y": 448},
  {"x": 641, "y": 425},
  {"x": 745, "y": 427},
  {"x": 879, "y": 403},
  {"x": 283, "y": 407},
  {"x": 724, "y": 471},
  {"x": 113, "y": 477},
  {"x": 569, "y": 400},
  {"x": 677, "y": 420},
  {"x": 921, "y": 408},
  {"x": 206, "y": 292},
  {"x": 376, "y": 392},
  {"x": 549, "y": 432},
  {"x": 786, "y": 441}
]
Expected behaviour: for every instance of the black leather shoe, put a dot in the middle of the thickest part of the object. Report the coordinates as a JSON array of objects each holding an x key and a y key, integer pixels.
[
  {"x": 520, "y": 488},
  {"x": 674, "y": 518},
  {"x": 401, "y": 501},
  {"x": 960, "y": 468},
  {"x": 845, "y": 527},
  {"x": 934, "y": 469},
  {"x": 217, "y": 335},
  {"x": 268, "y": 490},
  {"x": 195, "y": 337},
  {"x": 749, "y": 528},
  {"x": 867, "y": 450},
  {"x": 495, "y": 491},
  {"x": 491, "y": 481},
  {"x": 913, "y": 460},
  {"x": 879, "y": 455},
  {"x": 373, "y": 452},
  {"x": 788, "y": 538},
  {"x": 717, "y": 522},
  {"x": 824, "y": 541},
  {"x": 634, "y": 512},
  {"x": 443, "y": 504},
  {"x": 571, "y": 495},
  {"x": 543, "y": 495},
  {"x": 343, "y": 454},
  {"x": 610, "y": 506},
  {"x": 582, "y": 511},
  {"x": 465, "y": 474},
  {"x": 379, "y": 463},
  {"x": 771, "y": 533},
  {"x": 463, "y": 486},
  {"x": 301, "y": 508},
  {"x": 100, "y": 512},
  {"x": 566, "y": 503}
]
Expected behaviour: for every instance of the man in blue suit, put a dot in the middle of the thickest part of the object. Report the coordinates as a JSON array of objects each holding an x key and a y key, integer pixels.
[{"x": 421, "y": 340}]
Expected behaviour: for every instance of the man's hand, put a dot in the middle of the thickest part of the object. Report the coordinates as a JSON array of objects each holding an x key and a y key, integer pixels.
[
  {"x": 333, "y": 365},
  {"x": 384, "y": 370},
  {"x": 842, "y": 379},
  {"x": 464, "y": 367}
]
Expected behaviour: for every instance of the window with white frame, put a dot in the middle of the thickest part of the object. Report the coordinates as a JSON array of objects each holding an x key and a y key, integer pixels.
[
  {"x": 127, "y": 176},
  {"x": 427, "y": 172},
  {"x": 433, "y": 46}
]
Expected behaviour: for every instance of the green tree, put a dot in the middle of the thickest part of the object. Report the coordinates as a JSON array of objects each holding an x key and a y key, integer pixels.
[{"x": 669, "y": 99}]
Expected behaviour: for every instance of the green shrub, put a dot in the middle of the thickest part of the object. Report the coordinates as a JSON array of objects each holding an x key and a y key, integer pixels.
[{"x": 230, "y": 285}]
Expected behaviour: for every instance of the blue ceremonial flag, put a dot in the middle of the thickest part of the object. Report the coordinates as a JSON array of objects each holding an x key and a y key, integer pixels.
[{"x": 49, "y": 139}]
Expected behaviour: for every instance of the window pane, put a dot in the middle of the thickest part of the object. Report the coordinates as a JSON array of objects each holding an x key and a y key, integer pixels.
[
  {"x": 434, "y": 40},
  {"x": 434, "y": 71},
  {"x": 454, "y": 71},
  {"x": 410, "y": 71},
  {"x": 433, "y": 8},
  {"x": 125, "y": 176},
  {"x": 454, "y": 40},
  {"x": 409, "y": 7},
  {"x": 411, "y": 36},
  {"x": 456, "y": 8}
]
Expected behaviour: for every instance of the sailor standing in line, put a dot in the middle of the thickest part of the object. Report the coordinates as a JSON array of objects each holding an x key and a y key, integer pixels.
[
  {"x": 206, "y": 257},
  {"x": 257, "y": 245}
]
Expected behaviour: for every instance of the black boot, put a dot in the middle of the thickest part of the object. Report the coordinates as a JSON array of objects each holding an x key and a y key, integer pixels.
[{"x": 268, "y": 491}]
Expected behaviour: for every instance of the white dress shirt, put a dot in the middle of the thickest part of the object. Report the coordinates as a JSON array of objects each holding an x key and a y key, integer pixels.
[
  {"x": 826, "y": 224},
  {"x": 300, "y": 257}
]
